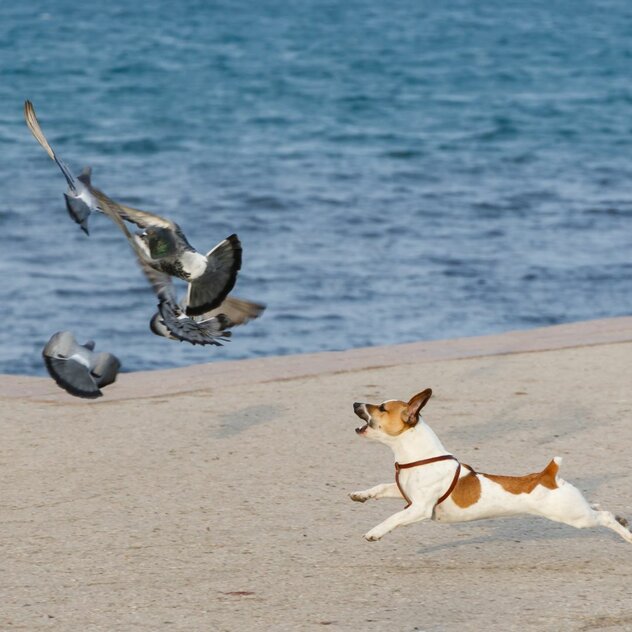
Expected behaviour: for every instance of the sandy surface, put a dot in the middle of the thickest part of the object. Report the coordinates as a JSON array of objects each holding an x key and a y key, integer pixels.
[{"x": 182, "y": 503}]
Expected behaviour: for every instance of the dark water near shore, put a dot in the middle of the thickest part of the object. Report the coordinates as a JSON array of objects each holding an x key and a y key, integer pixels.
[{"x": 396, "y": 171}]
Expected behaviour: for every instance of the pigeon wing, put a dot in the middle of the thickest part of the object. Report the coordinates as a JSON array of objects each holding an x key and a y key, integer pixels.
[
  {"x": 142, "y": 219},
  {"x": 207, "y": 291},
  {"x": 236, "y": 310},
  {"x": 211, "y": 331},
  {"x": 105, "y": 369},
  {"x": 113, "y": 210},
  {"x": 239, "y": 311},
  {"x": 73, "y": 377},
  {"x": 36, "y": 130}
]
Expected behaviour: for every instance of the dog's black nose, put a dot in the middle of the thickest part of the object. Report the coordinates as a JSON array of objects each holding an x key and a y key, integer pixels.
[{"x": 356, "y": 405}]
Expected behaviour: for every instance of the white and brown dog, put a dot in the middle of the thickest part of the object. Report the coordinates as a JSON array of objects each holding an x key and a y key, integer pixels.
[{"x": 436, "y": 486}]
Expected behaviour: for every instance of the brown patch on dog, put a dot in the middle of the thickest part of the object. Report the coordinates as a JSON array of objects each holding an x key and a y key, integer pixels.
[
  {"x": 526, "y": 484},
  {"x": 467, "y": 490}
]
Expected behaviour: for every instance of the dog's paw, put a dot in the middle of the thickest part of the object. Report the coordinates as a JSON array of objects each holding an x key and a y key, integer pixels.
[
  {"x": 359, "y": 497},
  {"x": 372, "y": 536}
]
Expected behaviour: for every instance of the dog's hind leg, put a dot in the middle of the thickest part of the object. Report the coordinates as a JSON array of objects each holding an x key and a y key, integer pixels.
[
  {"x": 602, "y": 519},
  {"x": 567, "y": 504},
  {"x": 616, "y": 523},
  {"x": 386, "y": 490},
  {"x": 599, "y": 519}
]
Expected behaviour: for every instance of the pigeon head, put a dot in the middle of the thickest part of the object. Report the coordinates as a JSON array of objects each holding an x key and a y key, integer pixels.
[{"x": 160, "y": 242}]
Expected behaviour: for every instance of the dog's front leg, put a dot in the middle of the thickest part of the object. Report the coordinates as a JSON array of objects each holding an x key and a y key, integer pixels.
[
  {"x": 414, "y": 513},
  {"x": 386, "y": 490}
]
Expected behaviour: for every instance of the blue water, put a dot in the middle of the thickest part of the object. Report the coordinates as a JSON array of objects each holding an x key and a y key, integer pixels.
[{"x": 396, "y": 171}]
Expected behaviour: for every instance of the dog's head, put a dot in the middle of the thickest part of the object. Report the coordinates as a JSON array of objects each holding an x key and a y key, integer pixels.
[{"x": 388, "y": 420}]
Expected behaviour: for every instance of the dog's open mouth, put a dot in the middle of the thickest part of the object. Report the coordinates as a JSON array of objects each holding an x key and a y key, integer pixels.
[{"x": 361, "y": 412}]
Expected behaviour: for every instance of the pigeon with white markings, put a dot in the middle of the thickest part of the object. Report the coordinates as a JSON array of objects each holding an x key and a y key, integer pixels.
[{"x": 163, "y": 246}]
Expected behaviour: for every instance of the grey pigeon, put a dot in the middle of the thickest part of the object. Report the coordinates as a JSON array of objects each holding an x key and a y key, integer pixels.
[
  {"x": 161, "y": 244},
  {"x": 77, "y": 368},
  {"x": 238, "y": 312},
  {"x": 79, "y": 199}
]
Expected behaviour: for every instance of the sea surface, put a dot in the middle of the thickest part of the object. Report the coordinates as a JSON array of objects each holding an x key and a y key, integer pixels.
[{"x": 396, "y": 171}]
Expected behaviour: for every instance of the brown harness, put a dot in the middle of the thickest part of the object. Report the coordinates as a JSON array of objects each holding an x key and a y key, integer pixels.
[{"x": 434, "y": 459}]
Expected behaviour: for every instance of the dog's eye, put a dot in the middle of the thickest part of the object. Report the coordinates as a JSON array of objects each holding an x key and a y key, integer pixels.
[{"x": 382, "y": 409}]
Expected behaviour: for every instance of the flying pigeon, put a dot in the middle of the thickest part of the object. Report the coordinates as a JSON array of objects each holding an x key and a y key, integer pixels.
[
  {"x": 79, "y": 200},
  {"x": 76, "y": 368},
  {"x": 203, "y": 330},
  {"x": 161, "y": 244}
]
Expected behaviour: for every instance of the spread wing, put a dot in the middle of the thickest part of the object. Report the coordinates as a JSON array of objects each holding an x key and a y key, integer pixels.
[
  {"x": 36, "y": 130},
  {"x": 207, "y": 291},
  {"x": 237, "y": 310},
  {"x": 211, "y": 331},
  {"x": 142, "y": 219}
]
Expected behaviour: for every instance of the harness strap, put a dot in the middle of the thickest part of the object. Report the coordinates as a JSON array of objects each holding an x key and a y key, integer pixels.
[{"x": 434, "y": 459}]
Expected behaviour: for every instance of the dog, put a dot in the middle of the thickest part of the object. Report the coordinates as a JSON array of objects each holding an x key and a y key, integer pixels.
[{"x": 436, "y": 486}]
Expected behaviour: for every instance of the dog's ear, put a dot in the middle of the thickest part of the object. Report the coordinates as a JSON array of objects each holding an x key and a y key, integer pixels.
[{"x": 416, "y": 403}]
